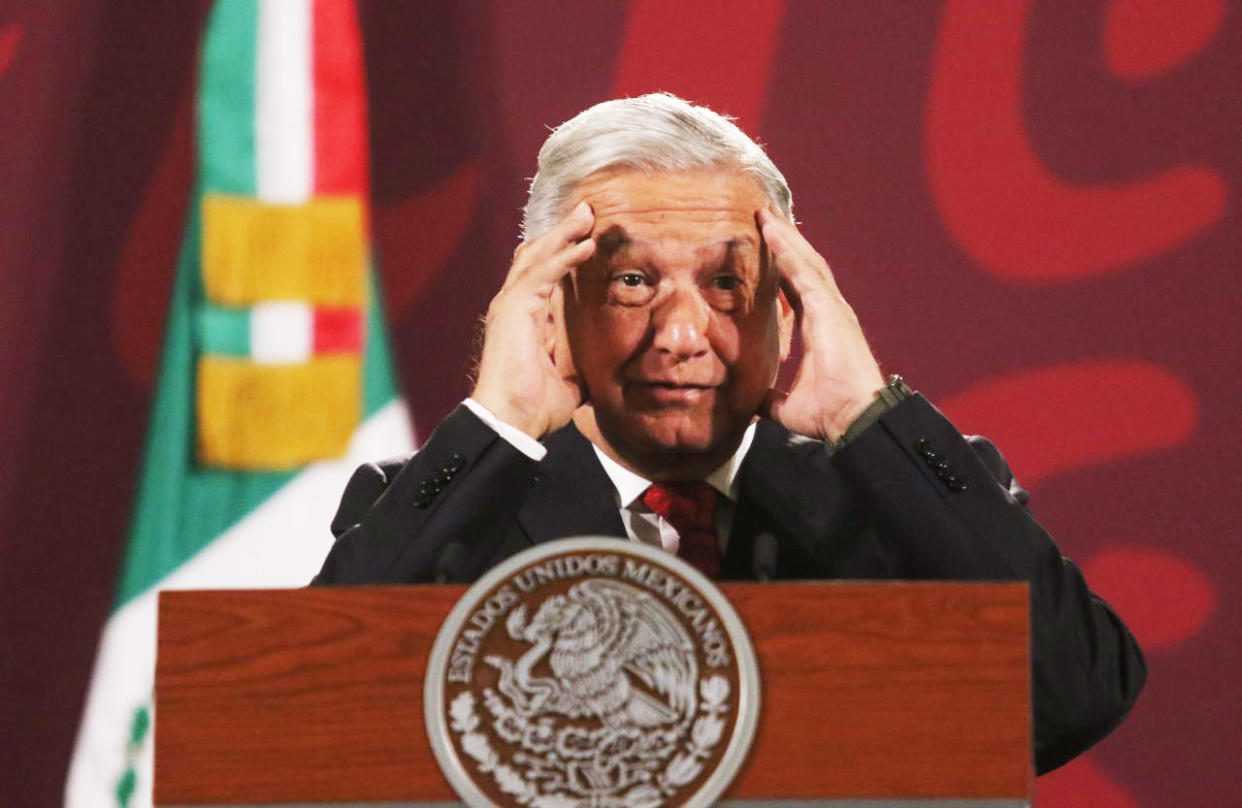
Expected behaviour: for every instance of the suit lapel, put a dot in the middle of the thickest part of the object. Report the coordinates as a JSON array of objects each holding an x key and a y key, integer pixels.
[
  {"x": 573, "y": 495},
  {"x": 787, "y": 489}
]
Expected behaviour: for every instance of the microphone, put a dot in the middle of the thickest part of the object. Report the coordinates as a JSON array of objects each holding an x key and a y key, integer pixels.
[
  {"x": 765, "y": 557},
  {"x": 448, "y": 565}
]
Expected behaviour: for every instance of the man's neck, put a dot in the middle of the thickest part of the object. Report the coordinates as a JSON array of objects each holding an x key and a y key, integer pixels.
[{"x": 663, "y": 466}]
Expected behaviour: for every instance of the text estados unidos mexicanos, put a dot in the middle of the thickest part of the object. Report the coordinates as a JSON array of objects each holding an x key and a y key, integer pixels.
[{"x": 685, "y": 600}]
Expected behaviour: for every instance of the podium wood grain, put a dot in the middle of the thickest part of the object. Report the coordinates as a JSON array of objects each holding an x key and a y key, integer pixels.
[{"x": 869, "y": 690}]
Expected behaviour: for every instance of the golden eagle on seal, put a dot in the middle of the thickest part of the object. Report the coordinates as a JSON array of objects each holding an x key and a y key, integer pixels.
[{"x": 615, "y": 653}]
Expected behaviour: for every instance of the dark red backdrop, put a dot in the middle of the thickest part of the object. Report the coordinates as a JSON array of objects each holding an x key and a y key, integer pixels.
[{"x": 1032, "y": 206}]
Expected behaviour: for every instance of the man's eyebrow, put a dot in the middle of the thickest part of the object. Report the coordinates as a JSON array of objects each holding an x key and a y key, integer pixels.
[
  {"x": 617, "y": 239},
  {"x": 726, "y": 254},
  {"x": 729, "y": 247},
  {"x": 612, "y": 240}
]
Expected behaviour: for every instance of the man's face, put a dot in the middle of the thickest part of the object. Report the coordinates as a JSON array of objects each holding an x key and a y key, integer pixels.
[{"x": 675, "y": 324}]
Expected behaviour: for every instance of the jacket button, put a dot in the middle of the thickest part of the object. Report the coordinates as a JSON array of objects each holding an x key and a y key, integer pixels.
[
  {"x": 423, "y": 498},
  {"x": 956, "y": 484},
  {"x": 456, "y": 462},
  {"x": 444, "y": 476},
  {"x": 923, "y": 446}
]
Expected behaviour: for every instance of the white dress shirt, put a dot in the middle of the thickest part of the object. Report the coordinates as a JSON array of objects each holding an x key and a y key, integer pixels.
[{"x": 641, "y": 524}]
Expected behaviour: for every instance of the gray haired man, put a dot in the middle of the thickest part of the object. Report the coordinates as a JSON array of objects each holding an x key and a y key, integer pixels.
[{"x": 627, "y": 379}]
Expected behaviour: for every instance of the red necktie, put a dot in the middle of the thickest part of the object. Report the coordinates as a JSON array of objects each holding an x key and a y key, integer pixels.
[{"x": 691, "y": 509}]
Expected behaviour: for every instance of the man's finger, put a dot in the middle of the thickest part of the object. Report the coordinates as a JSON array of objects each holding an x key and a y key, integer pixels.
[
  {"x": 548, "y": 258},
  {"x": 782, "y": 261},
  {"x": 558, "y": 265},
  {"x": 556, "y": 339},
  {"x": 786, "y": 242},
  {"x": 801, "y": 268},
  {"x": 793, "y": 236},
  {"x": 567, "y": 232}
]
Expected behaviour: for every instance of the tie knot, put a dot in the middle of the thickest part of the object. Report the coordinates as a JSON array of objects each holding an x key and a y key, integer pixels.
[
  {"x": 687, "y": 506},
  {"x": 691, "y": 509}
]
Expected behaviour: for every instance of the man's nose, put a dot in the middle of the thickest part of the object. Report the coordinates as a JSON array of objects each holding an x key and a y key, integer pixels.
[{"x": 680, "y": 322}]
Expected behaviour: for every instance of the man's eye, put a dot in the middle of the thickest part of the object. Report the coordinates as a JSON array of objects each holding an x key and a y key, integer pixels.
[
  {"x": 631, "y": 288},
  {"x": 726, "y": 292}
]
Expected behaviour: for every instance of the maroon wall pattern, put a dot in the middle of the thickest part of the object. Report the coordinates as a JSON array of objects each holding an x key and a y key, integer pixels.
[{"x": 1032, "y": 205}]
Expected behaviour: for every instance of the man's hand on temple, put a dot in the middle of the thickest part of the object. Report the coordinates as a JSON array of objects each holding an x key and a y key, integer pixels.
[
  {"x": 526, "y": 378},
  {"x": 838, "y": 376}
]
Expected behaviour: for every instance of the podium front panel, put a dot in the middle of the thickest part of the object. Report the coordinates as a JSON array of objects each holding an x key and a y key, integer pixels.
[{"x": 873, "y": 695}]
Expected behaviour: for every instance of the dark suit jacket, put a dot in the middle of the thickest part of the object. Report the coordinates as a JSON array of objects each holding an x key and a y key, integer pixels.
[{"x": 909, "y": 497}]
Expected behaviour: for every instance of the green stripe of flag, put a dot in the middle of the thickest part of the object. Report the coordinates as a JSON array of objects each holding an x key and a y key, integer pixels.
[
  {"x": 379, "y": 382},
  {"x": 222, "y": 330},
  {"x": 227, "y": 97}
]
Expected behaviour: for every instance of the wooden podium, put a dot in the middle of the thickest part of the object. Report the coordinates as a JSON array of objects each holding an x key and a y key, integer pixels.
[{"x": 874, "y": 694}]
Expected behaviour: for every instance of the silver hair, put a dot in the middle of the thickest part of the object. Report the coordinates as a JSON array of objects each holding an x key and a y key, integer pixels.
[{"x": 656, "y": 132}]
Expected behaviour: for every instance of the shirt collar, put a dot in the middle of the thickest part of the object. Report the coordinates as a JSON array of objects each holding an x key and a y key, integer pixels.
[{"x": 629, "y": 486}]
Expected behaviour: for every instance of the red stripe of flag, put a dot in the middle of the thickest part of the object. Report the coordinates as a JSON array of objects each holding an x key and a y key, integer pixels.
[
  {"x": 340, "y": 101},
  {"x": 337, "y": 330}
]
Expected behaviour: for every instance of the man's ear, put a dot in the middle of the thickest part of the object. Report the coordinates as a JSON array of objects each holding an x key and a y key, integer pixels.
[{"x": 786, "y": 323}]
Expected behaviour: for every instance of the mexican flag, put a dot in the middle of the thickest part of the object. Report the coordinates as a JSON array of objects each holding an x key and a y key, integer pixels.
[{"x": 276, "y": 379}]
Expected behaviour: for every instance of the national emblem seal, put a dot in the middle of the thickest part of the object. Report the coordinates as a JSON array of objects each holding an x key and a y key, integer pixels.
[{"x": 592, "y": 673}]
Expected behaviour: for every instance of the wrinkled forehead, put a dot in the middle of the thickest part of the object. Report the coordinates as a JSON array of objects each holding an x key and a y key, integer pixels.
[{"x": 692, "y": 208}]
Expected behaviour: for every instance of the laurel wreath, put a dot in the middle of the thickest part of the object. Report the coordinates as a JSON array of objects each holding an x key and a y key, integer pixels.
[{"x": 682, "y": 768}]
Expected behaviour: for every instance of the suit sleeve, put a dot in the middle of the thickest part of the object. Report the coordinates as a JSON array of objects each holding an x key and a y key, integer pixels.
[
  {"x": 395, "y": 519},
  {"x": 952, "y": 509}
]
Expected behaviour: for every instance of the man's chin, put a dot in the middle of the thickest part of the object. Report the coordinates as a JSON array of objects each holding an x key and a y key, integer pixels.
[
  {"x": 679, "y": 429},
  {"x": 670, "y": 441}
]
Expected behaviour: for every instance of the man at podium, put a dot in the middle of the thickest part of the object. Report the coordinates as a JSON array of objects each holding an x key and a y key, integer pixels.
[{"x": 625, "y": 388}]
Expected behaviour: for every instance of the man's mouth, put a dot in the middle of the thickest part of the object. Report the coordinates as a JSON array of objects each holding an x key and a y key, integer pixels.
[{"x": 675, "y": 392}]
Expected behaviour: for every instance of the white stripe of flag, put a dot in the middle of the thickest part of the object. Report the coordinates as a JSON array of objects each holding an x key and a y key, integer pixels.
[
  {"x": 281, "y": 333},
  {"x": 283, "y": 104}
]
